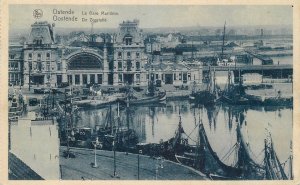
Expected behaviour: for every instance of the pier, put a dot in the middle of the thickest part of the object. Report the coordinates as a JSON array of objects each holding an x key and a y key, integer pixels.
[
  {"x": 127, "y": 167},
  {"x": 249, "y": 68},
  {"x": 276, "y": 71}
]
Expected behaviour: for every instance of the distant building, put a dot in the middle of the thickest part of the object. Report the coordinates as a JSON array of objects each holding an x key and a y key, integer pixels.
[
  {"x": 129, "y": 56},
  {"x": 41, "y": 62},
  {"x": 176, "y": 73},
  {"x": 152, "y": 45},
  {"x": 117, "y": 59},
  {"x": 15, "y": 64}
]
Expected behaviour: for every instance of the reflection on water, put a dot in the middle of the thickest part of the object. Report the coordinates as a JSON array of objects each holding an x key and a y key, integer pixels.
[{"x": 156, "y": 123}]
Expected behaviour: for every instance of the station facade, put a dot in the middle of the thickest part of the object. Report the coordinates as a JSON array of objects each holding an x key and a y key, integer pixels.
[{"x": 119, "y": 60}]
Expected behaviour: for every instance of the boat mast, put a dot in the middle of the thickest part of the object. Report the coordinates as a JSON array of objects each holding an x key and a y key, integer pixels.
[
  {"x": 208, "y": 88},
  {"x": 291, "y": 161},
  {"x": 229, "y": 79},
  {"x": 222, "y": 56},
  {"x": 114, "y": 145},
  {"x": 110, "y": 122},
  {"x": 214, "y": 82},
  {"x": 127, "y": 123},
  {"x": 151, "y": 111}
]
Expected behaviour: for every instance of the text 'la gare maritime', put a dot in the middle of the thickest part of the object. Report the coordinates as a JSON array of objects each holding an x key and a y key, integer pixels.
[{"x": 68, "y": 15}]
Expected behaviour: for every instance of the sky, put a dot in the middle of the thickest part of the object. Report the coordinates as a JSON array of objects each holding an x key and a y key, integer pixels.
[{"x": 153, "y": 16}]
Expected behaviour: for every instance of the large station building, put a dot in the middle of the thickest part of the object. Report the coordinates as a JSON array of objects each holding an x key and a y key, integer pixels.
[{"x": 117, "y": 59}]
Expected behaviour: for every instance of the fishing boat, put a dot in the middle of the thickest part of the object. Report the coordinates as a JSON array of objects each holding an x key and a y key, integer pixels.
[
  {"x": 251, "y": 170},
  {"x": 117, "y": 136},
  {"x": 144, "y": 99},
  {"x": 269, "y": 97},
  {"x": 273, "y": 168},
  {"x": 167, "y": 149},
  {"x": 99, "y": 101},
  {"x": 281, "y": 101},
  {"x": 210, "y": 95},
  {"x": 175, "y": 145},
  {"x": 152, "y": 95},
  {"x": 207, "y": 161},
  {"x": 234, "y": 93}
]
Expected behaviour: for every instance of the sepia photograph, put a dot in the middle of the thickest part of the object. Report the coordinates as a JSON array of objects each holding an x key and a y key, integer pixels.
[{"x": 150, "y": 92}]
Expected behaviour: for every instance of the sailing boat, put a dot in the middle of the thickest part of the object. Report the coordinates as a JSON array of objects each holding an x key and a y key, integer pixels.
[
  {"x": 177, "y": 144},
  {"x": 108, "y": 127},
  {"x": 191, "y": 156},
  {"x": 117, "y": 136},
  {"x": 167, "y": 149},
  {"x": 207, "y": 161},
  {"x": 150, "y": 96},
  {"x": 251, "y": 170},
  {"x": 209, "y": 96},
  {"x": 274, "y": 170},
  {"x": 234, "y": 94}
]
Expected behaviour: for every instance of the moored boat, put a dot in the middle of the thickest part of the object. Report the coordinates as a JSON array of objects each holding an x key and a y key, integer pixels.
[
  {"x": 210, "y": 95},
  {"x": 99, "y": 101},
  {"x": 144, "y": 99},
  {"x": 204, "y": 159},
  {"x": 251, "y": 170},
  {"x": 269, "y": 99},
  {"x": 234, "y": 93},
  {"x": 167, "y": 149},
  {"x": 273, "y": 168}
]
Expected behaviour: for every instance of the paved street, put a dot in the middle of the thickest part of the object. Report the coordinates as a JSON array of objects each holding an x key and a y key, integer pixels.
[{"x": 126, "y": 167}]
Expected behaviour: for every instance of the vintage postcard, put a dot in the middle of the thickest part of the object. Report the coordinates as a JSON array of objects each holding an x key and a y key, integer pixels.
[{"x": 149, "y": 92}]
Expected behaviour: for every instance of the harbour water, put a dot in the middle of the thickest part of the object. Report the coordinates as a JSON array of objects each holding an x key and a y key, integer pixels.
[{"x": 156, "y": 123}]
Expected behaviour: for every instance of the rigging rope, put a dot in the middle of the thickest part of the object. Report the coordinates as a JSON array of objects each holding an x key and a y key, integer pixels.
[
  {"x": 226, "y": 156},
  {"x": 193, "y": 129},
  {"x": 284, "y": 163},
  {"x": 190, "y": 138}
]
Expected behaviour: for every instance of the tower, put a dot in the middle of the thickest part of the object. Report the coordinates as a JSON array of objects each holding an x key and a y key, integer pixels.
[
  {"x": 40, "y": 56},
  {"x": 129, "y": 55}
]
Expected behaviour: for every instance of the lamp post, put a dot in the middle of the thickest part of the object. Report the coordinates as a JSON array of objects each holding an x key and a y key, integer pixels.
[
  {"x": 138, "y": 157},
  {"x": 95, "y": 143},
  {"x": 138, "y": 166},
  {"x": 158, "y": 164},
  {"x": 115, "y": 166}
]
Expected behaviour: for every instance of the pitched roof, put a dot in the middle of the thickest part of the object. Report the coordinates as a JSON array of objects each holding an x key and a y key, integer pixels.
[
  {"x": 18, "y": 170},
  {"x": 41, "y": 30}
]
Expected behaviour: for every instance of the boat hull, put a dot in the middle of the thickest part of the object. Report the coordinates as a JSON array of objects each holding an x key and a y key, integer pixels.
[
  {"x": 147, "y": 100},
  {"x": 269, "y": 101},
  {"x": 235, "y": 101},
  {"x": 203, "y": 97}
]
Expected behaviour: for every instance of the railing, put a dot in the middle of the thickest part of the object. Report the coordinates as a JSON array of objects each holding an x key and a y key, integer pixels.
[{"x": 248, "y": 67}]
